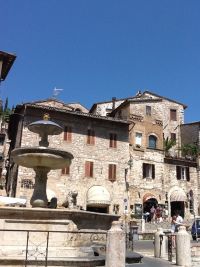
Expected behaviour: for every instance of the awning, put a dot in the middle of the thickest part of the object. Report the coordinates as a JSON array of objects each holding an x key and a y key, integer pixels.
[
  {"x": 178, "y": 195},
  {"x": 98, "y": 196},
  {"x": 148, "y": 196}
]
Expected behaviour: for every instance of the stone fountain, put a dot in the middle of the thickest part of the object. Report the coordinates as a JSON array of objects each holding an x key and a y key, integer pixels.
[
  {"x": 68, "y": 232},
  {"x": 42, "y": 158}
]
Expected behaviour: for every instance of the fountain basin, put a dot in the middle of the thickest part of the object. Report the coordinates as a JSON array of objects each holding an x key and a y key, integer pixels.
[{"x": 41, "y": 157}]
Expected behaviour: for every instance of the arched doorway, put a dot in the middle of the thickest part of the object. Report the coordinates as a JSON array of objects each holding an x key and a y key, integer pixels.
[
  {"x": 177, "y": 202},
  {"x": 149, "y": 200},
  {"x": 98, "y": 199}
]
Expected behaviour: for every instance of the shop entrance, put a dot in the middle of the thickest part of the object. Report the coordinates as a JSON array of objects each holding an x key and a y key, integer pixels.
[
  {"x": 147, "y": 205},
  {"x": 177, "y": 207}
]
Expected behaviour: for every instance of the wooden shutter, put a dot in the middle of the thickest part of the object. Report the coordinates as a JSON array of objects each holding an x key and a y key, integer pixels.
[
  {"x": 144, "y": 170},
  {"x": 113, "y": 140},
  {"x": 153, "y": 171},
  {"x": 89, "y": 169},
  {"x": 178, "y": 172},
  {"x": 188, "y": 174},
  {"x": 90, "y": 137},
  {"x": 112, "y": 172},
  {"x": 173, "y": 114},
  {"x": 68, "y": 134}
]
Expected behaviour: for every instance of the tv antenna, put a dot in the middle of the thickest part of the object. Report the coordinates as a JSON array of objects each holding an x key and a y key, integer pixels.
[{"x": 56, "y": 92}]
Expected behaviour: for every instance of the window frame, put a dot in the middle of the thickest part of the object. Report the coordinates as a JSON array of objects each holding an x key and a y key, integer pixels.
[
  {"x": 65, "y": 171},
  {"x": 183, "y": 173},
  {"x": 113, "y": 140},
  {"x": 148, "y": 110},
  {"x": 67, "y": 134},
  {"x": 90, "y": 137},
  {"x": 137, "y": 138},
  {"x": 89, "y": 169},
  {"x": 173, "y": 114},
  {"x": 112, "y": 172},
  {"x": 155, "y": 141},
  {"x": 150, "y": 169}
]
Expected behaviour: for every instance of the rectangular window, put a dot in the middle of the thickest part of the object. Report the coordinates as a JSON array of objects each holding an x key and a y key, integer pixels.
[
  {"x": 90, "y": 137},
  {"x": 148, "y": 110},
  {"x": 27, "y": 183},
  {"x": 112, "y": 172},
  {"x": 68, "y": 134},
  {"x": 89, "y": 169},
  {"x": 138, "y": 139},
  {"x": 183, "y": 173},
  {"x": 148, "y": 171},
  {"x": 173, "y": 136},
  {"x": 66, "y": 170},
  {"x": 113, "y": 140},
  {"x": 173, "y": 115}
]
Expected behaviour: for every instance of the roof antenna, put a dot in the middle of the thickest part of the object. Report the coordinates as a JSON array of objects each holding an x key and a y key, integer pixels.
[{"x": 56, "y": 92}]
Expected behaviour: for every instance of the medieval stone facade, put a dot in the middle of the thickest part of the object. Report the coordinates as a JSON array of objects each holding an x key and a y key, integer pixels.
[
  {"x": 97, "y": 171},
  {"x": 120, "y": 164},
  {"x": 157, "y": 177}
]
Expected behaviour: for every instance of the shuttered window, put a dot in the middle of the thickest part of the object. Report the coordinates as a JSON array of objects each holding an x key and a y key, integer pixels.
[
  {"x": 148, "y": 110},
  {"x": 183, "y": 173},
  {"x": 113, "y": 140},
  {"x": 173, "y": 115},
  {"x": 173, "y": 136},
  {"x": 66, "y": 171},
  {"x": 90, "y": 137},
  {"x": 68, "y": 134},
  {"x": 112, "y": 172},
  {"x": 148, "y": 171},
  {"x": 89, "y": 169}
]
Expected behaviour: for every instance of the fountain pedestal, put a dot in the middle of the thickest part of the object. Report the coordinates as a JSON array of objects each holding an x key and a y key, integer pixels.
[{"x": 39, "y": 197}]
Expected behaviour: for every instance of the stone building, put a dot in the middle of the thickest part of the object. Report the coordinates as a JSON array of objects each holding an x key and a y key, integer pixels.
[
  {"x": 157, "y": 177},
  {"x": 100, "y": 148},
  {"x": 120, "y": 163},
  {"x": 6, "y": 62}
]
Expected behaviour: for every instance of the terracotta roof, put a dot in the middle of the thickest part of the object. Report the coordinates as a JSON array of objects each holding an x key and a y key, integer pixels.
[{"x": 77, "y": 113}]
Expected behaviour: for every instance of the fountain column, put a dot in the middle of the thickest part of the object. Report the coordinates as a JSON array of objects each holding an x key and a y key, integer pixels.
[{"x": 39, "y": 197}]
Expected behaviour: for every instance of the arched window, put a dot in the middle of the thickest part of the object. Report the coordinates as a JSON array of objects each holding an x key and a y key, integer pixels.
[{"x": 152, "y": 141}]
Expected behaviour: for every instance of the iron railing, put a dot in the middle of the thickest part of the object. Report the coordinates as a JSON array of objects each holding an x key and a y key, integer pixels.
[{"x": 37, "y": 250}]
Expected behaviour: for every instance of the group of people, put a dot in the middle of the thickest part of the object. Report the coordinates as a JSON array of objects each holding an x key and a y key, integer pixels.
[
  {"x": 177, "y": 221},
  {"x": 156, "y": 214}
]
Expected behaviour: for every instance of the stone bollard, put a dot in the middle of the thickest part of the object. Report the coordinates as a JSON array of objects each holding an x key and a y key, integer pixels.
[
  {"x": 160, "y": 244},
  {"x": 115, "y": 246},
  {"x": 183, "y": 248}
]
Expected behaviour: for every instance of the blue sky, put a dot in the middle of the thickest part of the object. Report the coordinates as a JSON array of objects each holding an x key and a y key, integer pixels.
[{"x": 97, "y": 49}]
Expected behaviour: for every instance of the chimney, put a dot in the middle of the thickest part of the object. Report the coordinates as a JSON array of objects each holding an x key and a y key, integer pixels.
[{"x": 113, "y": 102}]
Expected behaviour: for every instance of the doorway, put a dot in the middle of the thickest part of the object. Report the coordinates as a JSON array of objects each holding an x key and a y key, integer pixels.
[
  {"x": 178, "y": 206},
  {"x": 147, "y": 205}
]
